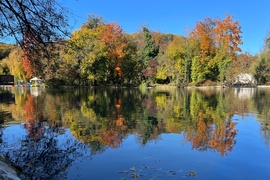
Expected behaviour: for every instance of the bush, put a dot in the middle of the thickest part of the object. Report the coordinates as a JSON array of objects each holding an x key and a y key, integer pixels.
[{"x": 55, "y": 82}]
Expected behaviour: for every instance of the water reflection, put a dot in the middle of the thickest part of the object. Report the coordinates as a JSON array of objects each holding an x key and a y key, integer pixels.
[{"x": 100, "y": 119}]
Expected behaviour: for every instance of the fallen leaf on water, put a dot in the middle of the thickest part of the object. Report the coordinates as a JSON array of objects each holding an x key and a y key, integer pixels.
[
  {"x": 135, "y": 176},
  {"x": 191, "y": 173},
  {"x": 123, "y": 172},
  {"x": 172, "y": 172}
]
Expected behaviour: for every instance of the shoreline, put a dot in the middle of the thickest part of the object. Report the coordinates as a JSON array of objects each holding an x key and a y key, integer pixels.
[
  {"x": 156, "y": 86},
  {"x": 8, "y": 171}
]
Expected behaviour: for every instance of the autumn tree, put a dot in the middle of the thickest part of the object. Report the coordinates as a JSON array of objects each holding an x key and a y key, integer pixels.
[
  {"x": 32, "y": 50},
  {"x": 218, "y": 42},
  {"x": 99, "y": 53},
  {"x": 175, "y": 63},
  {"x": 162, "y": 40},
  {"x": 14, "y": 64},
  {"x": 244, "y": 62},
  {"x": 150, "y": 71},
  {"x": 82, "y": 51},
  {"x": 5, "y": 50},
  {"x": 203, "y": 65},
  {"x": 116, "y": 43},
  {"x": 228, "y": 39},
  {"x": 35, "y": 25}
]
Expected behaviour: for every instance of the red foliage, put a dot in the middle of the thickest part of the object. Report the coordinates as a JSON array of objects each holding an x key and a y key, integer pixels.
[
  {"x": 33, "y": 125},
  {"x": 151, "y": 69},
  {"x": 27, "y": 66},
  {"x": 111, "y": 138}
]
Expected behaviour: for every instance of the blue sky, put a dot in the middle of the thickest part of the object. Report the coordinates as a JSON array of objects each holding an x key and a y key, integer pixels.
[{"x": 176, "y": 16}]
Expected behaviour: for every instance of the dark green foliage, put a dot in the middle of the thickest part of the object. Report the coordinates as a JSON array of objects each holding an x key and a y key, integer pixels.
[
  {"x": 93, "y": 21},
  {"x": 150, "y": 49},
  {"x": 55, "y": 82},
  {"x": 262, "y": 72}
]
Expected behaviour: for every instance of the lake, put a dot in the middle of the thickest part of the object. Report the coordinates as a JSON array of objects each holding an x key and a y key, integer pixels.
[{"x": 112, "y": 133}]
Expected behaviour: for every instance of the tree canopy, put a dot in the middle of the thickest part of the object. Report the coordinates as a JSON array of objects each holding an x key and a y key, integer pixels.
[{"x": 100, "y": 53}]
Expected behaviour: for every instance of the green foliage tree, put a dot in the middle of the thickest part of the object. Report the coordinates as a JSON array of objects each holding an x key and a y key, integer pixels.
[
  {"x": 131, "y": 65},
  {"x": 173, "y": 66},
  {"x": 83, "y": 51},
  {"x": 176, "y": 62},
  {"x": 261, "y": 68},
  {"x": 148, "y": 54},
  {"x": 150, "y": 49},
  {"x": 93, "y": 21}
]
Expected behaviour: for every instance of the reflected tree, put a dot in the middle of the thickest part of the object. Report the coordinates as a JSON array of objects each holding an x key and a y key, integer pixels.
[
  {"x": 101, "y": 119},
  {"x": 48, "y": 158},
  {"x": 212, "y": 127},
  {"x": 262, "y": 104},
  {"x": 34, "y": 118},
  {"x": 148, "y": 124}
]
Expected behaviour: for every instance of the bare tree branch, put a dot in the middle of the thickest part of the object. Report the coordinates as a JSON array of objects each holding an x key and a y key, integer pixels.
[{"x": 46, "y": 18}]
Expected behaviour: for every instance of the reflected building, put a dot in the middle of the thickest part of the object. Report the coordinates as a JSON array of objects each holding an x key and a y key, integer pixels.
[{"x": 244, "y": 93}]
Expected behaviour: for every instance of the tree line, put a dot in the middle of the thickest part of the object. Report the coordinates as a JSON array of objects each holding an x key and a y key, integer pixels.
[{"x": 100, "y": 53}]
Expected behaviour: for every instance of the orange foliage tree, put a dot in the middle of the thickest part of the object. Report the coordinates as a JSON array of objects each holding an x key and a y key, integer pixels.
[
  {"x": 115, "y": 40},
  {"x": 27, "y": 66},
  {"x": 228, "y": 40},
  {"x": 218, "y": 43},
  {"x": 228, "y": 35},
  {"x": 202, "y": 63},
  {"x": 203, "y": 32}
]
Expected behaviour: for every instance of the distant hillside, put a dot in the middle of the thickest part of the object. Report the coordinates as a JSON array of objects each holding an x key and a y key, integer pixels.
[
  {"x": 162, "y": 39},
  {"x": 5, "y": 49}
]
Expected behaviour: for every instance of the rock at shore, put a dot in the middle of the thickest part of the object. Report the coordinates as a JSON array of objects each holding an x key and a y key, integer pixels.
[{"x": 7, "y": 171}]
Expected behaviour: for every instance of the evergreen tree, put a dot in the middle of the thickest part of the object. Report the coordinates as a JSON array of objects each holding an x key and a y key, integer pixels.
[{"x": 150, "y": 50}]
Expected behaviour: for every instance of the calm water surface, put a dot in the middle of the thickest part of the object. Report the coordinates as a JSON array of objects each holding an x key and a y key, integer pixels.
[{"x": 133, "y": 134}]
